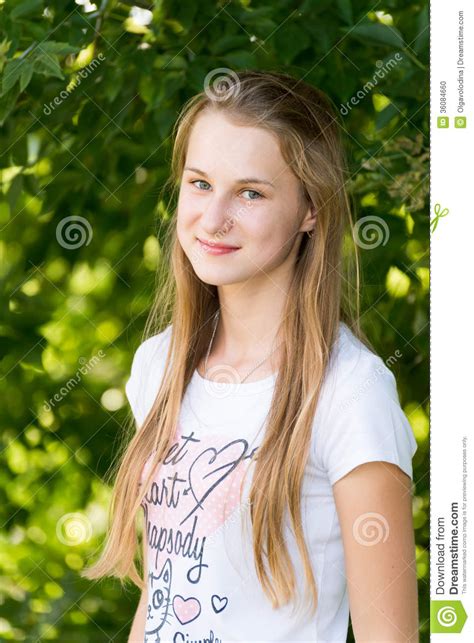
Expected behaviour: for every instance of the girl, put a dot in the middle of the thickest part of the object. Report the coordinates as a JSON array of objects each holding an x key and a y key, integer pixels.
[{"x": 272, "y": 458}]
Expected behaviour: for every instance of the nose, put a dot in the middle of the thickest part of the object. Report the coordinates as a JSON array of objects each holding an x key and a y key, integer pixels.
[{"x": 217, "y": 214}]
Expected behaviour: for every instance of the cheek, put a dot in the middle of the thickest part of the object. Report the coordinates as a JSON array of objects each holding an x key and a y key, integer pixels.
[
  {"x": 184, "y": 206},
  {"x": 268, "y": 232},
  {"x": 187, "y": 213}
]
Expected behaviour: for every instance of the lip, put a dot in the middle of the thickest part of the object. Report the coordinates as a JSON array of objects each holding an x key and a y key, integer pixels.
[{"x": 216, "y": 249}]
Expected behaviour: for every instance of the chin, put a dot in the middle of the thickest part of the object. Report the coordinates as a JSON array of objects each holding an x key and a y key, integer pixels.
[{"x": 214, "y": 277}]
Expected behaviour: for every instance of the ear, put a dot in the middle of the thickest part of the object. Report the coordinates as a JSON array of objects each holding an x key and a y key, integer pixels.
[{"x": 309, "y": 221}]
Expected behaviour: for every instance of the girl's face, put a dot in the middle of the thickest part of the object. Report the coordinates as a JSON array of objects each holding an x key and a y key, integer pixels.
[{"x": 237, "y": 190}]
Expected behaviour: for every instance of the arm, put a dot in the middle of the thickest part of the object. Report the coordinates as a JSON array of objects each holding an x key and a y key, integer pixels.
[
  {"x": 374, "y": 507},
  {"x": 137, "y": 633}
]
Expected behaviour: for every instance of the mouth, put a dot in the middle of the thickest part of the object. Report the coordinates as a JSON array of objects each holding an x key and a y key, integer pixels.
[{"x": 215, "y": 248}]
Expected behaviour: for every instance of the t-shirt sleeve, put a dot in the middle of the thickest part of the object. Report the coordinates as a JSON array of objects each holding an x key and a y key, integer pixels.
[
  {"x": 365, "y": 424},
  {"x": 146, "y": 371}
]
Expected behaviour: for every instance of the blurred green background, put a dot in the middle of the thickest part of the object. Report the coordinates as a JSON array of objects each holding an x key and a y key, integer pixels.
[{"x": 89, "y": 94}]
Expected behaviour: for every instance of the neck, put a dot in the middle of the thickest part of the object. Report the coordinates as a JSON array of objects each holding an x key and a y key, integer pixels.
[{"x": 249, "y": 324}]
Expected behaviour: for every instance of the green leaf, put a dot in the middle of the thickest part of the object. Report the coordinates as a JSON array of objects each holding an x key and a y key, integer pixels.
[
  {"x": 49, "y": 66},
  {"x": 423, "y": 36},
  {"x": 15, "y": 191},
  {"x": 239, "y": 59},
  {"x": 59, "y": 48},
  {"x": 251, "y": 14},
  {"x": 7, "y": 103},
  {"x": 187, "y": 13},
  {"x": 385, "y": 116},
  {"x": 26, "y": 75},
  {"x": 164, "y": 119},
  {"x": 25, "y": 8},
  {"x": 34, "y": 31},
  {"x": 4, "y": 47},
  {"x": 345, "y": 11},
  {"x": 228, "y": 43},
  {"x": 290, "y": 41},
  {"x": 170, "y": 62},
  {"x": 12, "y": 73},
  {"x": 170, "y": 86},
  {"x": 27, "y": 366},
  {"x": 112, "y": 85},
  {"x": 378, "y": 33}
]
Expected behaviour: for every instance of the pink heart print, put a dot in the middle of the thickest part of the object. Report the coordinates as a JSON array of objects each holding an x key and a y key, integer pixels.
[{"x": 186, "y": 609}]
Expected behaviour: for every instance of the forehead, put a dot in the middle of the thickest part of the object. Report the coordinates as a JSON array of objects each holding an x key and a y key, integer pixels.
[{"x": 221, "y": 146}]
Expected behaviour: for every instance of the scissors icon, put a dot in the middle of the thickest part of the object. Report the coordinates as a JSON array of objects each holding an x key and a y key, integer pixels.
[{"x": 439, "y": 213}]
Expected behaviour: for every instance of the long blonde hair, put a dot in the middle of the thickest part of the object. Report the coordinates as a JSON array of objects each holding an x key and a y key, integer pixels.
[{"x": 324, "y": 292}]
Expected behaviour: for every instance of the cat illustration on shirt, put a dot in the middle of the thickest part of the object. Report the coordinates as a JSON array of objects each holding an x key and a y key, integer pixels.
[{"x": 159, "y": 593}]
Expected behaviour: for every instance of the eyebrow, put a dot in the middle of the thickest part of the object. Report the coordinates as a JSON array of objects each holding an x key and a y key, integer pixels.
[{"x": 245, "y": 180}]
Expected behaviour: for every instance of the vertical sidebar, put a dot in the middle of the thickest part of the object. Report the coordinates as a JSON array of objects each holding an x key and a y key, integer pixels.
[{"x": 452, "y": 344}]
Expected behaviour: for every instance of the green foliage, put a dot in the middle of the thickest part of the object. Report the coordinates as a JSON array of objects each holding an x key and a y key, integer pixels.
[{"x": 87, "y": 103}]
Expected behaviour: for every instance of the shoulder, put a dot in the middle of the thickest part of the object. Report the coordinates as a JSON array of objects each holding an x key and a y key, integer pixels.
[
  {"x": 359, "y": 418},
  {"x": 354, "y": 371},
  {"x": 146, "y": 372},
  {"x": 151, "y": 348}
]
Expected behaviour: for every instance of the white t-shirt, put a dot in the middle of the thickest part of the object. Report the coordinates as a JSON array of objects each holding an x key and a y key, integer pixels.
[{"x": 202, "y": 585}]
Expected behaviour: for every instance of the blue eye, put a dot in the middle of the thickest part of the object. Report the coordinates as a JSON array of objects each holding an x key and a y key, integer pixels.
[
  {"x": 199, "y": 181},
  {"x": 254, "y": 192},
  {"x": 256, "y": 195}
]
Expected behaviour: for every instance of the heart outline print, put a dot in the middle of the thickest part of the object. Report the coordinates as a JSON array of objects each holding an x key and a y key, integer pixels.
[
  {"x": 219, "y": 603},
  {"x": 229, "y": 467}
]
